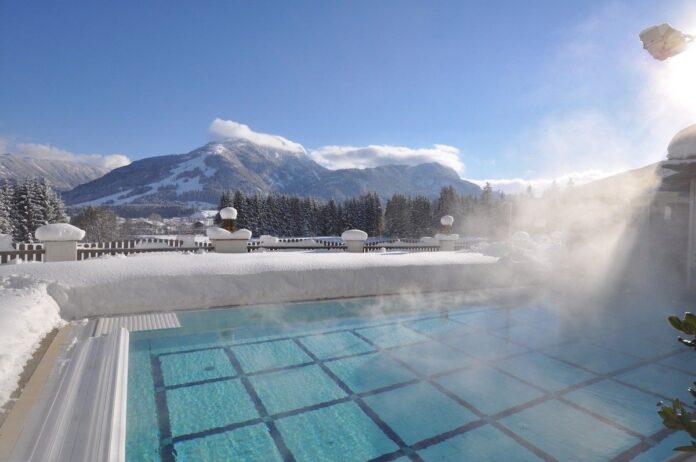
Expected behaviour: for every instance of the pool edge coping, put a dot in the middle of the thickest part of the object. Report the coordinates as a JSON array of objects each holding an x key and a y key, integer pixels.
[{"x": 18, "y": 416}]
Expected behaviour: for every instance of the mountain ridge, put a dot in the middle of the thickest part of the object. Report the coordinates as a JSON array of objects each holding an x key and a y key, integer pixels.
[
  {"x": 200, "y": 176},
  {"x": 62, "y": 175}
]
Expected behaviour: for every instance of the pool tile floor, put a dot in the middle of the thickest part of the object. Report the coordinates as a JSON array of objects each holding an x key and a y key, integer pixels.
[{"x": 481, "y": 385}]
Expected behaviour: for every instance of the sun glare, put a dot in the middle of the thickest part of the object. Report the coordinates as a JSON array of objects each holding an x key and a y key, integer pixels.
[{"x": 680, "y": 78}]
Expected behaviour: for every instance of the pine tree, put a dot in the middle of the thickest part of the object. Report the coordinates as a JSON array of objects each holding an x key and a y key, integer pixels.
[
  {"x": 487, "y": 193},
  {"x": 447, "y": 201},
  {"x": 421, "y": 217},
  {"x": 225, "y": 201},
  {"x": 239, "y": 203},
  {"x": 34, "y": 204},
  {"x": 397, "y": 216},
  {"x": 6, "y": 199},
  {"x": 373, "y": 220},
  {"x": 329, "y": 219},
  {"x": 52, "y": 209},
  {"x": 25, "y": 210}
]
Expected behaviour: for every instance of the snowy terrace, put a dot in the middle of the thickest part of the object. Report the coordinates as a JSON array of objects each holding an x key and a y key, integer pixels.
[
  {"x": 66, "y": 283},
  {"x": 39, "y": 297}
]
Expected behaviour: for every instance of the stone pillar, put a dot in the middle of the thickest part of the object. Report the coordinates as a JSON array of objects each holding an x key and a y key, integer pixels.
[
  {"x": 227, "y": 242},
  {"x": 229, "y": 218},
  {"x": 187, "y": 240},
  {"x": 60, "y": 241},
  {"x": 446, "y": 239},
  {"x": 355, "y": 240},
  {"x": 5, "y": 242}
]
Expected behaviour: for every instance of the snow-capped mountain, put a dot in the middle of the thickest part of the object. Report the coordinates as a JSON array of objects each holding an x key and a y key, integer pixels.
[
  {"x": 201, "y": 175},
  {"x": 63, "y": 175}
]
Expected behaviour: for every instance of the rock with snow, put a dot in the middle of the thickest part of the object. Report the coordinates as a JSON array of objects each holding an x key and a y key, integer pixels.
[
  {"x": 354, "y": 235},
  {"x": 447, "y": 220},
  {"x": 683, "y": 145},
  {"x": 59, "y": 232}
]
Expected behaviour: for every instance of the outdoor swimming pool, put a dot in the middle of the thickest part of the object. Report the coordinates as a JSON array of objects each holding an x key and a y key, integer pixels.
[{"x": 394, "y": 378}]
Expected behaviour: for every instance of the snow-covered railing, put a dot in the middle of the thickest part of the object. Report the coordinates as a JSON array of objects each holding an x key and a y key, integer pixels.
[
  {"x": 400, "y": 245},
  {"x": 24, "y": 252},
  {"x": 295, "y": 243},
  {"x": 87, "y": 250},
  {"x": 133, "y": 246}
]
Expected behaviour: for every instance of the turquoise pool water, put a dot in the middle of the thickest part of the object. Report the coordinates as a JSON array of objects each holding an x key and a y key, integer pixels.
[{"x": 427, "y": 378}]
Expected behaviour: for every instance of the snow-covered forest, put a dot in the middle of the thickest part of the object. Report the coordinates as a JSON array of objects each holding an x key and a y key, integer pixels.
[
  {"x": 401, "y": 216},
  {"x": 26, "y": 205},
  {"x": 29, "y": 204}
]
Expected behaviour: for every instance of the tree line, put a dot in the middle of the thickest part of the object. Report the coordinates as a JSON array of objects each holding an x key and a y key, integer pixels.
[
  {"x": 26, "y": 205},
  {"x": 402, "y": 216}
]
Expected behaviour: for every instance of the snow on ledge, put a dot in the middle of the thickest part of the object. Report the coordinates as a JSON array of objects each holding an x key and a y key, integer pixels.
[
  {"x": 265, "y": 239},
  {"x": 354, "y": 235},
  {"x": 59, "y": 232},
  {"x": 447, "y": 237},
  {"x": 223, "y": 234},
  {"x": 177, "y": 281}
]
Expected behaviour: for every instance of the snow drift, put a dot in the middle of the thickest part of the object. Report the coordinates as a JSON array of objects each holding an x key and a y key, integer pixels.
[
  {"x": 27, "y": 314},
  {"x": 176, "y": 281}
]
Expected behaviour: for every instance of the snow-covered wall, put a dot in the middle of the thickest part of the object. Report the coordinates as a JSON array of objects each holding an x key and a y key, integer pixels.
[{"x": 177, "y": 281}]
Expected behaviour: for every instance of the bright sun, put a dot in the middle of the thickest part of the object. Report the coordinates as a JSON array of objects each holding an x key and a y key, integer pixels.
[{"x": 680, "y": 77}]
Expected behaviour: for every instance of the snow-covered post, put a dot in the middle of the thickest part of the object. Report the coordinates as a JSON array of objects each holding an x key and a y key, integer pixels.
[
  {"x": 187, "y": 240},
  {"x": 227, "y": 242},
  {"x": 229, "y": 215},
  {"x": 355, "y": 240},
  {"x": 446, "y": 238},
  {"x": 60, "y": 241},
  {"x": 5, "y": 242}
]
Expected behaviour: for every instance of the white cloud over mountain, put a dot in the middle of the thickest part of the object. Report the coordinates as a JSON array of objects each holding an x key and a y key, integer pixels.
[
  {"x": 335, "y": 157},
  {"x": 46, "y": 151},
  {"x": 539, "y": 185},
  {"x": 221, "y": 129}
]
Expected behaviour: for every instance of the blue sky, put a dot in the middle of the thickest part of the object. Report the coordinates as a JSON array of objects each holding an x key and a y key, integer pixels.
[{"x": 504, "y": 90}]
